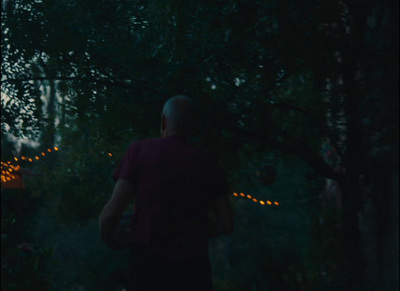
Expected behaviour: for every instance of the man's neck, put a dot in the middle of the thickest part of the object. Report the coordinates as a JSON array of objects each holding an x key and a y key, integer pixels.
[{"x": 169, "y": 134}]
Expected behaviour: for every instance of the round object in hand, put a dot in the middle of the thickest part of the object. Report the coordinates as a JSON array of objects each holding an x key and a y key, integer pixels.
[
  {"x": 266, "y": 175},
  {"x": 122, "y": 235}
]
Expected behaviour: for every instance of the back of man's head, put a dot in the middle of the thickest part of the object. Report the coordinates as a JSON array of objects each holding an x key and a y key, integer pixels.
[{"x": 179, "y": 113}]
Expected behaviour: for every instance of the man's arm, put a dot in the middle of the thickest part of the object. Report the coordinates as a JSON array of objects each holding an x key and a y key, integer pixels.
[
  {"x": 223, "y": 223},
  {"x": 112, "y": 211}
]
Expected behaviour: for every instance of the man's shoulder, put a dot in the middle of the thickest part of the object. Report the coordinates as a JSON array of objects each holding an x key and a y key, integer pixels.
[
  {"x": 174, "y": 144},
  {"x": 150, "y": 140},
  {"x": 146, "y": 141}
]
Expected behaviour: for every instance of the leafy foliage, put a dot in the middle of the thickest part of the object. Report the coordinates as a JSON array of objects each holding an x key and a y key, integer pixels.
[{"x": 23, "y": 265}]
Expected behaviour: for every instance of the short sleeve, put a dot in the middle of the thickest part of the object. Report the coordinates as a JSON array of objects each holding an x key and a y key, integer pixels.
[{"x": 126, "y": 167}]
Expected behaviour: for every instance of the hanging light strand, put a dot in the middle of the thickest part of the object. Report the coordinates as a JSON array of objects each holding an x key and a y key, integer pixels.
[
  {"x": 255, "y": 200},
  {"x": 9, "y": 171}
]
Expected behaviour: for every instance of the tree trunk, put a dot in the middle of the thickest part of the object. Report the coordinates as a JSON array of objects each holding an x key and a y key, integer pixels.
[
  {"x": 49, "y": 135},
  {"x": 352, "y": 263}
]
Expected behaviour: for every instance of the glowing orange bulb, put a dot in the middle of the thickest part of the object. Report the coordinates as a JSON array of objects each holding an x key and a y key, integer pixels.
[
  {"x": 56, "y": 148},
  {"x": 249, "y": 196},
  {"x": 49, "y": 150},
  {"x": 235, "y": 194},
  {"x": 16, "y": 159},
  {"x": 269, "y": 202},
  {"x": 37, "y": 158},
  {"x": 24, "y": 158},
  {"x": 255, "y": 200},
  {"x": 262, "y": 202},
  {"x": 110, "y": 154},
  {"x": 17, "y": 167},
  {"x": 242, "y": 194},
  {"x": 8, "y": 179},
  {"x": 30, "y": 160},
  {"x": 276, "y": 203},
  {"x": 43, "y": 154}
]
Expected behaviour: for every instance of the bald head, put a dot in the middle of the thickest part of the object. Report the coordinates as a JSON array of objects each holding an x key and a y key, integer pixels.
[{"x": 177, "y": 116}]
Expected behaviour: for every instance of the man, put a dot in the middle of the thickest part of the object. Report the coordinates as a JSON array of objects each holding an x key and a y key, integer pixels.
[{"x": 175, "y": 186}]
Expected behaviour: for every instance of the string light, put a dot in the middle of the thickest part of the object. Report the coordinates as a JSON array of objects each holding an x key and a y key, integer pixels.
[
  {"x": 7, "y": 176},
  {"x": 262, "y": 202},
  {"x": 7, "y": 167}
]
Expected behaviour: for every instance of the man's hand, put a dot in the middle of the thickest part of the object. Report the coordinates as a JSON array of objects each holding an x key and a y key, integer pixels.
[
  {"x": 111, "y": 215},
  {"x": 108, "y": 228}
]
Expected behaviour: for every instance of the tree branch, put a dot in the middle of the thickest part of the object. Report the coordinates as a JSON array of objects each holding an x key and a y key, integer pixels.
[
  {"x": 303, "y": 151},
  {"x": 290, "y": 107},
  {"x": 108, "y": 81}
]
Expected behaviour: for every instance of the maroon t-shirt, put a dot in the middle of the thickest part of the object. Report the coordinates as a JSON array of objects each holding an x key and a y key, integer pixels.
[{"x": 174, "y": 182}]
